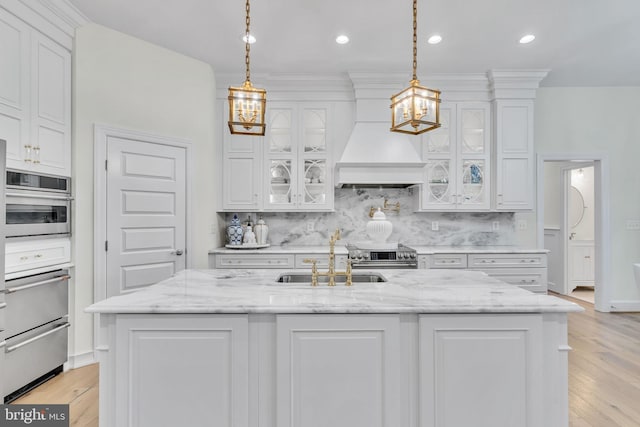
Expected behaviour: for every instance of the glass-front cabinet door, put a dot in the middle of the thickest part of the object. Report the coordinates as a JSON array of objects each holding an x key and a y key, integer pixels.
[
  {"x": 457, "y": 157},
  {"x": 298, "y": 158},
  {"x": 473, "y": 156},
  {"x": 280, "y": 183}
]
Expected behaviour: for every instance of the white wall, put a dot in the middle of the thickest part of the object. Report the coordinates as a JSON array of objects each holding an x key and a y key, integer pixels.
[
  {"x": 587, "y": 120},
  {"x": 125, "y": 82}
]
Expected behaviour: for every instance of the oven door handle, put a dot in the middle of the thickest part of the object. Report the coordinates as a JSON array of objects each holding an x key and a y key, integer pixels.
[
  {"x": 39, "y": 196},
  {"x": 33, "y": 285},
  {"x": 37, "y": 337}
]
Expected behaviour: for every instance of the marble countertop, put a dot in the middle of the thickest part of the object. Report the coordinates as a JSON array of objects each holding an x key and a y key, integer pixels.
[
  {"x": 421, "y": 250},
  {"x": 406, "y": 291}
]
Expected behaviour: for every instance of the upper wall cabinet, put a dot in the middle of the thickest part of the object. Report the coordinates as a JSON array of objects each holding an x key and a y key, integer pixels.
[
  {"x": 297, "y": 158},
  {"x": 457, "y": 156},
  {"x": 242, "y": 167},
  {"x": 35, "y": 99},
  {"x": 286, "y": 170},
  {"x": 513, "y": 155}
]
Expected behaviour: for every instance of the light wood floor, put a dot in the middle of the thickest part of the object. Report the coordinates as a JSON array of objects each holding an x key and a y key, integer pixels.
[{"x": 604, "y": 375}]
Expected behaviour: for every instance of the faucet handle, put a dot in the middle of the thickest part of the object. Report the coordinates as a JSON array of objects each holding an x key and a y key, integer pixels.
[{"x": 309, "y": 260}]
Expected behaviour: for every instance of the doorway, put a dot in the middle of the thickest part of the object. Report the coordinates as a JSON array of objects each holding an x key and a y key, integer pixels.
[
  {"x": 142, "y": 196},
  {"x": 573, "y": 224},
  {"x": 580, "y": 223}
]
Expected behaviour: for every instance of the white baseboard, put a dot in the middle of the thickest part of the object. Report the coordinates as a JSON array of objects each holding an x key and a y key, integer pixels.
[
  {"x": 80, "y": 360},
  {"x": 626, "y": 305}
]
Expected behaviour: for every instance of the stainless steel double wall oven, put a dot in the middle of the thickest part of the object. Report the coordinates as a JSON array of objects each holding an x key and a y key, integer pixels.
[{"x": 37, "y": 300}]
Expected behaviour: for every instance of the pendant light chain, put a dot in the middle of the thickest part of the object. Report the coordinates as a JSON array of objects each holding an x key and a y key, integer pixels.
[
  {"x": 247, "y": 48},
  {"x": 415, "y": 39}
]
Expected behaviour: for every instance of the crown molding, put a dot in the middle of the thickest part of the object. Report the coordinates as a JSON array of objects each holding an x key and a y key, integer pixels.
[
  {"x": 58, "y": 19},
  {"x": 515, "y": 84}
]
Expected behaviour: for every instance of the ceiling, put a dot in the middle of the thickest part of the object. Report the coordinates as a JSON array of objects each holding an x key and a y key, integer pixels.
[{"x": 582, "y": 42}]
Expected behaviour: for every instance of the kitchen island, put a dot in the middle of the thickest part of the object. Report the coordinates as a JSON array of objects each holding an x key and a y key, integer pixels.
[{"x": 425, "y": 348}]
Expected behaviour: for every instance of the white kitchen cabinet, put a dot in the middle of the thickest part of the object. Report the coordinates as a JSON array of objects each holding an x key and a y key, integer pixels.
[
  {"x": 339, "y": 370},
  {"x": 244, "y": 260},
  {"x": 457, "y": 155},
  {"x": 204, "y": 359},
  {"x": 525, "y": 270},
  {"x": 31, "y": 254},
  {"x": 318, "y": 370},
  {"x": 297, "y": 157},
  {"x": 242, "y": 170},
  {"x": 35, "y": 99},
  {"x": 513, "y": 160},
  {"x": 581, "y": 263},
  {"x": 340, "y": 261},
  {"x": 462, "y": 355},
  {"x": 448, "y": 261}
]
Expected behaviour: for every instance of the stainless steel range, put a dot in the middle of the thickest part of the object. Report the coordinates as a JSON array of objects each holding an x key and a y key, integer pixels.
[{"x": 382, "y": 256}]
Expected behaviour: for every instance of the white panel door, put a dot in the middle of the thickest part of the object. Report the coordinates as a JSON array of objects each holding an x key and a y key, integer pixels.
[
  {"x": 146, "y": 213},
  {"x": 339, "y": 371}
]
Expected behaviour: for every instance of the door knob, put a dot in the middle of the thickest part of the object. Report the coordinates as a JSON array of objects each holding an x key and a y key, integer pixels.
[{"x": 177, "y": 252}]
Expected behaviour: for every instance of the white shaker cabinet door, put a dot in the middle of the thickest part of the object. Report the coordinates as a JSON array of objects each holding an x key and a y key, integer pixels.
[
  {"x": 50, "y": 106},
  {"x": 14, "y": 88},
  {"x": 339, "y": 371},
  {"x": 483, "y": 363},
  {"x": 180, "y": 370}
]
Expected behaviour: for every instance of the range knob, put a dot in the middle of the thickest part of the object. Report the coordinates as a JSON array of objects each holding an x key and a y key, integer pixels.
[{"x": 413, "y": 256}]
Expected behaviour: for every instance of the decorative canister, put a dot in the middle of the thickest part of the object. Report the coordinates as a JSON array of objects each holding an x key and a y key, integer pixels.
[
  {"x": 262, "y": 231},
  {"x": 379, "y": 229},
  {"x": 249, "y": 236},
  {"x": 234, "y": 231}
]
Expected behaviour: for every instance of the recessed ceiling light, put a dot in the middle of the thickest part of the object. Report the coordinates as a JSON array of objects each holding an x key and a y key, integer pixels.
[
  {"x": 252, "y": 39},
  {"x": 435, "y": 39},
  {"x": 342, "y": 39},
  {"x": 527, "y": 39}
]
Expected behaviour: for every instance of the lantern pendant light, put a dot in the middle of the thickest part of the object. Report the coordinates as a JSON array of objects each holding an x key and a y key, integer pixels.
[
  {"x": 247, "y": 103},
  {"x": 416, "y": 109}
]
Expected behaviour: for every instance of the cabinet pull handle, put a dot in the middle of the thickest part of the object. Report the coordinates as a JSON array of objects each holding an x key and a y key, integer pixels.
[
  {"x": 36, "y": 284},
  {"x": 37, "y": 337}
]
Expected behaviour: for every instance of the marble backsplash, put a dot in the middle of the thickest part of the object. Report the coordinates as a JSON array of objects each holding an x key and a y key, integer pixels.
[{"x": 352, "y": 214}]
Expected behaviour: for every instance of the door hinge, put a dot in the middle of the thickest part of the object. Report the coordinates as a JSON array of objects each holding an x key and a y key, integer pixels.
[
  {"x": 106, "y": 165},
  {"x": 106, "y": 245}
]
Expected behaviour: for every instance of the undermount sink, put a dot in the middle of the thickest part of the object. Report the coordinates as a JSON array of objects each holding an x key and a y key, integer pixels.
[{"x": 356, "y": 277}]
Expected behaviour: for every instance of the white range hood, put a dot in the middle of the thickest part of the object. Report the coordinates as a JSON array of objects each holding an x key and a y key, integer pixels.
[{"x": 375, "y": 156}]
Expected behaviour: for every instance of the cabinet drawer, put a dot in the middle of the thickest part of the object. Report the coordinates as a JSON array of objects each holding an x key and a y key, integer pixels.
[
  {"x": 32, "y": 254},
  {"x": 323, "y": 261},
  {"x": 254, "y": 261},
  {"x": 507, "y": 260},
  {"x": 448, "y": 261},
  {"x": 531, "y": 279}
]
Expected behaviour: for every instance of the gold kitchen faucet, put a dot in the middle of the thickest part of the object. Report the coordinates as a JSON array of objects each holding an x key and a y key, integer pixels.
[{"x": 331, "y": 273}]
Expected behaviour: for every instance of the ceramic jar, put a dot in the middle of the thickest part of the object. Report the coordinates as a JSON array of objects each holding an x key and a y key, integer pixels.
[
  {"x": 249, "y": 237},
  {"x": 262, "y": 231},
  {"x": 379, "y": 229},
  {"x": 235, "y": 231}
]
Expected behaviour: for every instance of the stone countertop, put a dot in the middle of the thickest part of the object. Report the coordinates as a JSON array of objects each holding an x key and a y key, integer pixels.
[
  {"x": 406, "y": 291},
  {"x": 421, "y": 250}
]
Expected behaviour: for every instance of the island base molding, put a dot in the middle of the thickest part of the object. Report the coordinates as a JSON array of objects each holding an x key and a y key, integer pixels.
[{"x": 318, "y": 370}]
